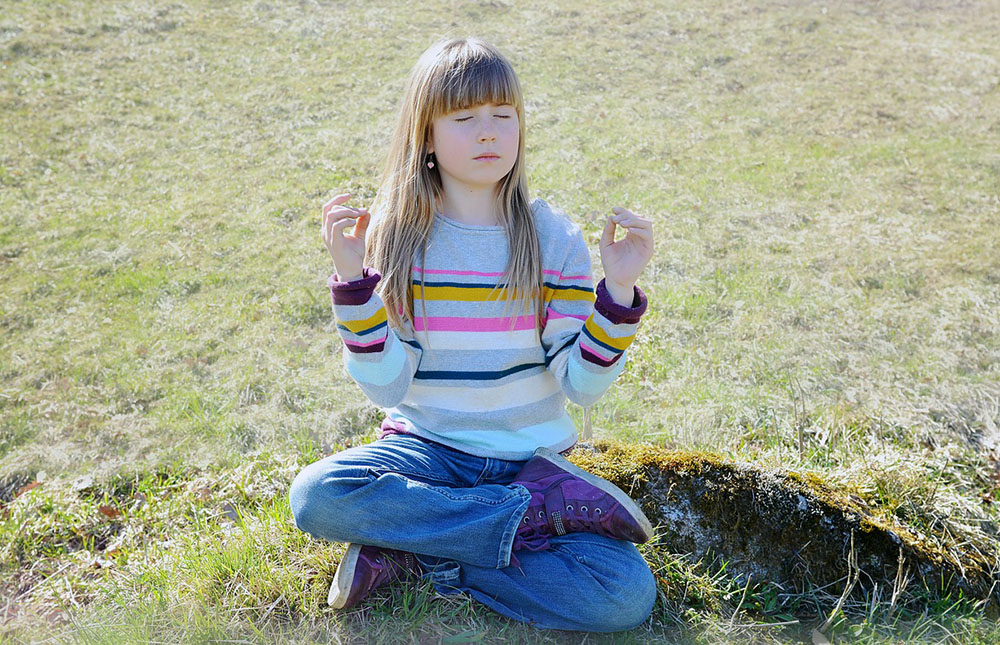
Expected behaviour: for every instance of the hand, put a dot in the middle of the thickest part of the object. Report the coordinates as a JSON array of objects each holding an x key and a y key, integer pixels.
[
  {"x": 625, "y": 259},
  {"x": 347, "y": 251}
]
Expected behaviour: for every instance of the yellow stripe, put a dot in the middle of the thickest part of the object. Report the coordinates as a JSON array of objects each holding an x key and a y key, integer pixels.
[
  {"x": 357, "y": 326},
  {"x": 569, "y": 294},
  {"x": 479, "y": 294},
  {"x": 619, "y": 343}
]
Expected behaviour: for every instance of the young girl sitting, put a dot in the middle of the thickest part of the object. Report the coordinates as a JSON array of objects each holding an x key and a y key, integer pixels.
[{"x": 465, "y": 485}]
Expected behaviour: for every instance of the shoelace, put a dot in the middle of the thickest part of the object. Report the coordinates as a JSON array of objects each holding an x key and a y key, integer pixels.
[
  {"x": 532, "y": 540},
  {"x": 589, "y": 519},
  {"x": 536, "y": 536},
  {"x": 532, "y": 535}
]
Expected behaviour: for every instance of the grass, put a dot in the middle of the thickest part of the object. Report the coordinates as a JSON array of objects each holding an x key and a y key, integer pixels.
[{"x": 825, "y": 187}]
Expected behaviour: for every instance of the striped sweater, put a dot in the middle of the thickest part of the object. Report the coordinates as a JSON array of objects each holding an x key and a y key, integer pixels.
[{"x": 460, "y": 377}]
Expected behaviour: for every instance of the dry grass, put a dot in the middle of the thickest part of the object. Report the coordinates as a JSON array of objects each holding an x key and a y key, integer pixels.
[{"x": 825, "y": 184}]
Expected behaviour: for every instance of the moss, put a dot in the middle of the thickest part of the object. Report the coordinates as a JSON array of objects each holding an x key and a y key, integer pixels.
[{"x": 790, "y": 527}]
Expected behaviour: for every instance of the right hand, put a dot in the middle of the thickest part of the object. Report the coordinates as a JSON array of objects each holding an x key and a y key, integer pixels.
[{"x": 346, "y": 250}]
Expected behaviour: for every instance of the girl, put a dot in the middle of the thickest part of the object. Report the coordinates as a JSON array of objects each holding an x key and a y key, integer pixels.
[{"x": 465, "y": 485}]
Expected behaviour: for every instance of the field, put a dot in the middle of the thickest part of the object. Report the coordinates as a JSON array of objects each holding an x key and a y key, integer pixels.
[{"x": 824, "y": 180}]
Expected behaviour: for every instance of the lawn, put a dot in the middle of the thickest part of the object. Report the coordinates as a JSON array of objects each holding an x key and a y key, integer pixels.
[{"x": 824, "y": 296}]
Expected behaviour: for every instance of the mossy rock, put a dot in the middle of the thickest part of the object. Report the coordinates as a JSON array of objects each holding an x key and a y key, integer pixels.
[{"x": 785, "y": 527}]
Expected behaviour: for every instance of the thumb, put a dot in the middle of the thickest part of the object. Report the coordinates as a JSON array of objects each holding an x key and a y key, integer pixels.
[
  {"x": 361, "y": 224},
  {"x": 608, "y": 235}
]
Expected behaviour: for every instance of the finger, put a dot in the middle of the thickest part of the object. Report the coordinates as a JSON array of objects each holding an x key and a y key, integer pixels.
[
  {"x": 344, "y": 209},
  {"x": 642, "y": 234},
  {"x": 608, "y": 235},
  {"x": 622, "y": 215},
  {"x": 336, "y": 216},
  {"x": 342, "y": 213},
  {"x": 338, "y": 227},
  {"x": 635, "y": 222},
  {"x": 336, "y": 201},
  {"x": 340, "y": 199}
]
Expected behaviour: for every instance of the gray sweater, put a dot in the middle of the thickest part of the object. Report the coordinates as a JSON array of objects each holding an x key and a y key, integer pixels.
[{"x": 481, "y": 388}]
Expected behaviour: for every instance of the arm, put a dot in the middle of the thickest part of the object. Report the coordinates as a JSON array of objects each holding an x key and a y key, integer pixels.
[
  {"x": 375, "y": 357},
  {"x": 586, "y": 335}
]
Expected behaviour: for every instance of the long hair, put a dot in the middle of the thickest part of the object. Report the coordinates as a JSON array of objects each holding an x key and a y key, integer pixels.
[{"x": 452, "y": 74}]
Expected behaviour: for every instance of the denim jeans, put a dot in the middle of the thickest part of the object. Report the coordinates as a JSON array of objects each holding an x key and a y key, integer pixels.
[{"x": 458, "y": 514}]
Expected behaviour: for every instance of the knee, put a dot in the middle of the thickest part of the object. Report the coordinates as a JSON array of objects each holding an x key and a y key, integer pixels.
[
  {"x": 631, "y": 602},
  {"x": 643, "y": 598},
  {"x": 301, "y": 498},
  {"x": 313, "y": 499},
  {"x": 624, "y": 595}
]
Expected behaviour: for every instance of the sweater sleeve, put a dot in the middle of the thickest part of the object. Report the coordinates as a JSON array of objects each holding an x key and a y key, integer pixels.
[
  {"x": 586, "y": 335},
  {"x": 375, "y": 357}
]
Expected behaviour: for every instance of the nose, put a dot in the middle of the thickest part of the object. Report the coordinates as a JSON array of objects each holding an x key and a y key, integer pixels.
[{"x": 488, "y": 132}]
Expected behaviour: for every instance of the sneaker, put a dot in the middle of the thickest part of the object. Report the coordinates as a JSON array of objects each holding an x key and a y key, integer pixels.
[
  {"x": 365, "y": 568},
  {"x": 566, "y": 499}
]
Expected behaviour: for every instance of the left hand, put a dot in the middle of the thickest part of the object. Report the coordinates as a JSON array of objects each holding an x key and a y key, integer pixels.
[{"x": 625, "y": 259}]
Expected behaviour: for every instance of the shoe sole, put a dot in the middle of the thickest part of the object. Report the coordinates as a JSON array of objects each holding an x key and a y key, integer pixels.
[
  {"x": 344, "y": 578},
  {"x": 620, "y": 496}
]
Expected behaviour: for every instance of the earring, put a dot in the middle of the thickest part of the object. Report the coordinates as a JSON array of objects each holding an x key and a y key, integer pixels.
[{"x": 430, "y": 160}]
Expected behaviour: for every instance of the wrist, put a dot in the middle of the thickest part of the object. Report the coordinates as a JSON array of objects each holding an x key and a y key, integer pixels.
[
  {"x": 350, "y": 275},
  {"x": 622, "y": 294}
]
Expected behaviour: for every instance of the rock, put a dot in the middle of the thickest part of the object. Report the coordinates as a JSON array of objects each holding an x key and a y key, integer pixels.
[{"x": 790, "y": 528}]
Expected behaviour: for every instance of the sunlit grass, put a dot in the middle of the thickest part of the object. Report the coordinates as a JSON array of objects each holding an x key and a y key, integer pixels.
[{"x": 825, "y": 187}]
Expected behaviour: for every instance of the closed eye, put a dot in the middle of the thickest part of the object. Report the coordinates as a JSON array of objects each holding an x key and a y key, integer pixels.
[{"x": 500, "y": 116}]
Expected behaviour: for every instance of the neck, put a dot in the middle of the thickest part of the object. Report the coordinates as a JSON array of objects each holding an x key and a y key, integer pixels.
[{"x": 470, "y": 206}]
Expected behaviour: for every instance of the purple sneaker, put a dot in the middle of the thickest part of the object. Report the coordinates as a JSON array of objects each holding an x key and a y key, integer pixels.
[
  {"x": 366, "y": 567},
  {"x": 567, "y": 499}
]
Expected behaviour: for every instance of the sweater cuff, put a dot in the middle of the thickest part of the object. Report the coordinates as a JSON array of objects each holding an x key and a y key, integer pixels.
[
  {"x": 617, "y": 313},
  {"x": 355, "y": 292}
]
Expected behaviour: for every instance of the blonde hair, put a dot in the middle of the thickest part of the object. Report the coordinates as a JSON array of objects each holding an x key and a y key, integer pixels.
[{"x": 452, "y": 74}]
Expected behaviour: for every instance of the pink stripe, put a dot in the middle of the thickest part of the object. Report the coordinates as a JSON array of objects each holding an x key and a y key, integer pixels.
[
  {"x": 565, "y": 277},
  {"x": 592, "y": 350},
  {"x": 374, "y": 342},
  {"x": 472, "y": 324},
  {"x": 497, "y": 275},
  {"x": 552, "y": 313}
]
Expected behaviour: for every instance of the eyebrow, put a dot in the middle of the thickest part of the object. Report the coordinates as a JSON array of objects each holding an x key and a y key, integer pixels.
[{"x": 469, "y": 107}]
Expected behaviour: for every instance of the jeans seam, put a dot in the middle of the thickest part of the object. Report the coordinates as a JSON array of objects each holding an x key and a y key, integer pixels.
[
  {"x": 477, "y": 498},
  {"x": 482, "y": 473},
  {"x": 409, "y": 474},
  {"x": 507, "y": 540}
]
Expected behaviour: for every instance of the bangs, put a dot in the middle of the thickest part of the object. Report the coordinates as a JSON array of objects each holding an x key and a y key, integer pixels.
[{"x": 473, "y": 77}]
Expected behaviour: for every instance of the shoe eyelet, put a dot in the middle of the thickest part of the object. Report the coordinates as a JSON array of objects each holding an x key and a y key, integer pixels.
[
  {"x": 569, "y": 507},
  {"x": 598, "y": 511},
  {"x": 541, "y": 513},
  {"x": 583, "y": 509},
  {"x": 525, "y": 519}
]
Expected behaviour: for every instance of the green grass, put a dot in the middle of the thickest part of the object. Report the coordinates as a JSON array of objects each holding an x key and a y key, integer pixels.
[{"x": 824, "y": 183}]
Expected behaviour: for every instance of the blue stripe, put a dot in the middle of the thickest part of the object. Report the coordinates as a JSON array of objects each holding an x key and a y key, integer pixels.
[
  {"x": 611, "y": 349},
  {"x": 474, "y": 376},
  {"x": 550, "y": 358},
  {"x": 364, "y": 331}
]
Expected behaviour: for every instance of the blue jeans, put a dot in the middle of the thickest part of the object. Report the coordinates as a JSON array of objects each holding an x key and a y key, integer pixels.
[{"x": 458, "y": 513}]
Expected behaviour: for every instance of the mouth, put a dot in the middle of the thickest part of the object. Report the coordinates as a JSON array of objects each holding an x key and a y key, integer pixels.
[{"x": 487, "y": 157}]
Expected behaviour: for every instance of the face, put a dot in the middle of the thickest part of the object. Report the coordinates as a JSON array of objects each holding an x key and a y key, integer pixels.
[{"x": 476, "y": 147}]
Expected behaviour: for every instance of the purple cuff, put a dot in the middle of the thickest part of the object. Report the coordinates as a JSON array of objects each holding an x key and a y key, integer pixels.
[
  {"x": 355, "y": 292},
  {"x": 617, "y": 313}
]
